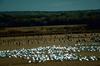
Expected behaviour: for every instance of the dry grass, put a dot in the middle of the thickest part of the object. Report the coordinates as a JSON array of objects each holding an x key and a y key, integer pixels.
[{"x": 43, "y": 41}]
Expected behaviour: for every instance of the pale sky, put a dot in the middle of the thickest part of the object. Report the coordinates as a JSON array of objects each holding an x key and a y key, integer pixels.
[{"x": 48, "y": 5}]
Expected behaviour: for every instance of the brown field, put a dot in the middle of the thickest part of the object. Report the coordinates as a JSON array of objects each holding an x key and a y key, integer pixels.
[
  {"x": 21, "y": 62},
  {"x": 16, "y": 42},
  {"x": 36, "y": 41},
  {"x": 44, "y": 40}
]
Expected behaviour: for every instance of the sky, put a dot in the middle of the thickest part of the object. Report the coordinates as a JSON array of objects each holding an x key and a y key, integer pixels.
[{"x": 48, "y": 5}]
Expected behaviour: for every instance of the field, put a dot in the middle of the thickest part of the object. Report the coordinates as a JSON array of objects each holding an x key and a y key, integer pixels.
[
  {"x": 21, "y": 62},
  {"x": 34, "y": 40},
  {"x": 28, "y": 29}
]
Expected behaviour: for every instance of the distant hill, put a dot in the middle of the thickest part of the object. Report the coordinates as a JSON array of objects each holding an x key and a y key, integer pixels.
[
  {"x": 45, "y": 12},
  {"x": 46, "y": 18}
]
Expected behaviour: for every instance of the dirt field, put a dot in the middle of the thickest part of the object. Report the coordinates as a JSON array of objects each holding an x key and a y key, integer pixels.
[
  {"x": 21, "y": 62},
  {"x": 44, "y": 40}
]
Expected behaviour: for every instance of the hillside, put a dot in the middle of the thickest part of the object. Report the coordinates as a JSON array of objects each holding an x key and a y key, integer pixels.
[{"x": 46, "y": 18}]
